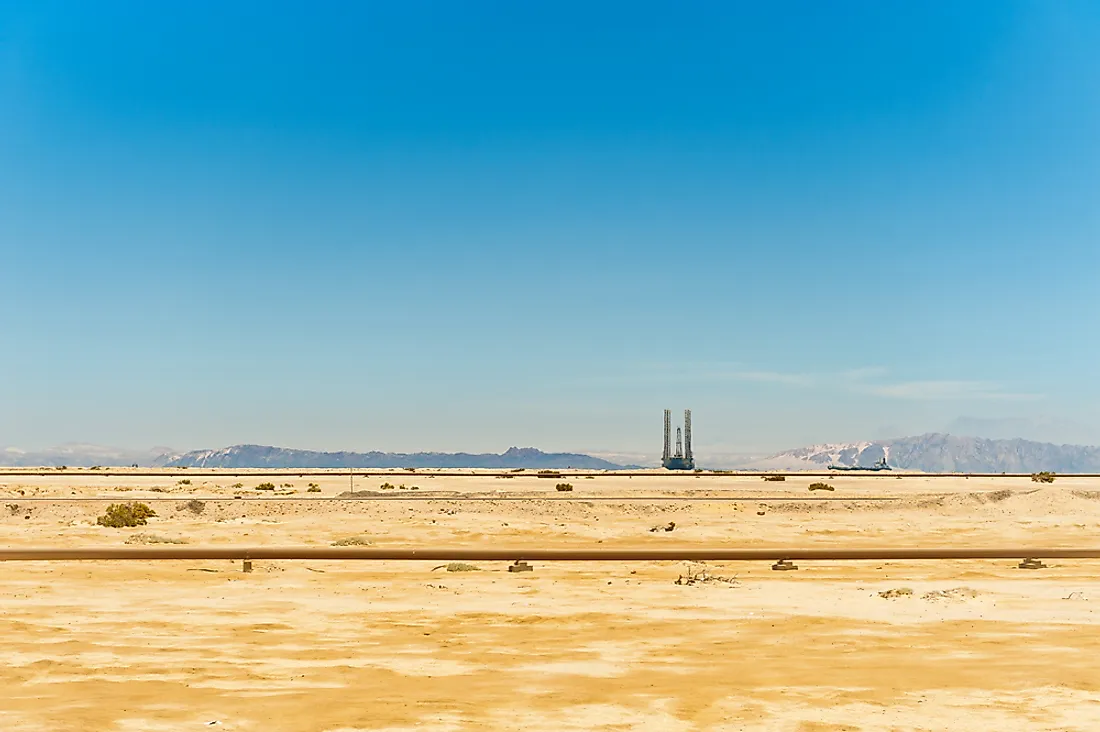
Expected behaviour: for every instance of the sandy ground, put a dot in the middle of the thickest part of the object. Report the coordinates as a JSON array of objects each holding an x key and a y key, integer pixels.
[{"x": 311, "y": 646}]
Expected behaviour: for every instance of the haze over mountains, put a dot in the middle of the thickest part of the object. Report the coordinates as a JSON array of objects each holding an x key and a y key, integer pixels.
[
  {"x": 932, "y": 453},
  {"x": 260, "y": 456},
  {"x": 941, "y": 453}
]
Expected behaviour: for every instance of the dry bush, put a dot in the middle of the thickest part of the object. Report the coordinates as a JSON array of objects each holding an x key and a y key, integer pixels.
[
  {"x": 195, "y": 506},
  {"x": 265, "y": 487},
  {"x": 564, "y": 487},
  {"x": 697, "y": 574},
  {"x": 1042, "y": 477},
  {"x": 462, "y": 567},
  {"x": 185, "y": 481},
  {"x": 119, "y": 515},
  {"x": 821, "y": 487},
  {"x": 775, "y": 478},
  {"x": 899, "y": 592},
  {"x": 143, "y": 538},
  {"x": 313, "y": 488},
  {"x": 353, "y": 541},
  {"x": 386, "y": 486}
]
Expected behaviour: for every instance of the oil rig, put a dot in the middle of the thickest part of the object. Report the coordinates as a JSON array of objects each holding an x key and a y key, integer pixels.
[{"x": 682, "y": 458}]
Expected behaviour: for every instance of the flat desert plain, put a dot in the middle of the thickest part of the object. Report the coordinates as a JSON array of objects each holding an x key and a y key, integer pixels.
[{"x": 310, "y": 646}]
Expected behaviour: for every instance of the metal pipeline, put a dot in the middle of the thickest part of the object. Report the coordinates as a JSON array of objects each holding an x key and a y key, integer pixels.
[{"x": 445, "y": 554}]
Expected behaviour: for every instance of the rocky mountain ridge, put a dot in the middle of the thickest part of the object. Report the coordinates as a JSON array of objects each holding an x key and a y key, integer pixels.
[
  {"x": 941, "y": 453},
  {"x": 262, "y": 456}
]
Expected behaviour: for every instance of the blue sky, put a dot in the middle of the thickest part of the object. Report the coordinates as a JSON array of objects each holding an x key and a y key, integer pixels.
[{"x": 463, "y": 226}]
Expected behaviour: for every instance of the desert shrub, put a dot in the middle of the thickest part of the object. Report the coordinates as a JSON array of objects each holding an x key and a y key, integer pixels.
[
  {"x": 820, "y": 487},
  {"x": 1043, "y": 477},
  {"x": 386, "y": 486},
  {"x": 288, "y": 485},
  {"x": 238, "y": 486},
  {"x": 119, "y": 515},
  {"x": 195, "y": 506},
  {"x": 896, "y": 592},
  {"x": 185, "y": 481},
  {"x": 353, "y": 541},
  {"x": 462, "y": 567},
  {"x": 313, "y": 488},
  {"x": 775, "y": 478},
  {"x": 96, "y": 467},
  {"x": 143, "y": 538},
  {"x": 564, "y": 487},
  {"x": 265, "y": 487}
]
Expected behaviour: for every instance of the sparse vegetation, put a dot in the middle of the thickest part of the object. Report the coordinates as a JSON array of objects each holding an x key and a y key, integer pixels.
[
  {"x": 288, "y": 485},
  {"x": 313, "y": 488},
  {"x": 265, "y": 487},
  {"x": 386, "y": 486},
  {"x": 462, "y": 567},
  {"x": 185, "y": 481},
  {"x": 897, "y": 592},
  {"x": 237, "y": 486},
  {"x": 358, "y": 540},
  {"x": 775, "y": 478},
  {"x": 1043, "y": 477},
  {"x": 120, "y": 515},
  {"x": 195, "y": 506},
  {"x": 143, "y": 538},
  {"x": 564, "y": 487},
  {"x": 96, "y": 467},
  {"x": 698, "y": 575},
  {"x": 821, "y": 487},
  {"x": 548, "y": 474},
  {"x": 158, "y": 489}
]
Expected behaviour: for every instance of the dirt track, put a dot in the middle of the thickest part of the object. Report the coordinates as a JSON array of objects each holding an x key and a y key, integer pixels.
[{"x": 338, "y": 646}]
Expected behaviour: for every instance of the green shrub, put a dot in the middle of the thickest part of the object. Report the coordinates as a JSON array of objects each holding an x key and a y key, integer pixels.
[
  {"x": 386, "y": 486},
  {"x": 1043, "y": 477},
  {"x": 564, "y": 487},
  {"x": 265, "y": 487},
  {"x": 185, "y": 481},
  {"x": 313, "y": 488},
  {"x": 119, "y": 515}
]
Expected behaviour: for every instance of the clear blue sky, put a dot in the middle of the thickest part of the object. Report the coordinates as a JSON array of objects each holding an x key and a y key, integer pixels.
[{"x": 439, "y": 225}]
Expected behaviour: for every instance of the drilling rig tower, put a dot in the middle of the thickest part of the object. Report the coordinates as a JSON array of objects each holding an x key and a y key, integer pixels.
[{"x": 682, "y": 459}]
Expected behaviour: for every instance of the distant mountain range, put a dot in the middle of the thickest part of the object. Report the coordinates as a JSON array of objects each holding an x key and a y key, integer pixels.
[
  {"x": 941, "y": 453},
  {"x": 78, "y": 454},
  {"x": 260, "y": 456},
  {"x": 931, "y": 453}
]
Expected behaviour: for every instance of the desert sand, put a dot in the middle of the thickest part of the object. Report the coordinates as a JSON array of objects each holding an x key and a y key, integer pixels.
[{"x": 307, "y": 646}]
